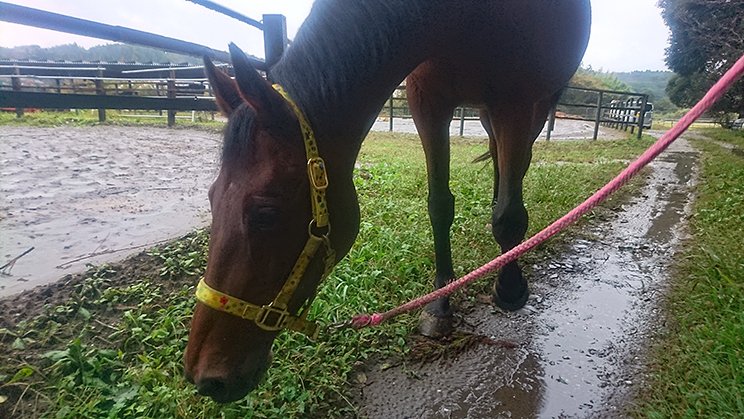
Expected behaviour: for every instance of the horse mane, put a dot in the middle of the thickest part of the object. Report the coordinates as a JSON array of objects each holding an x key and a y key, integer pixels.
[{"x": 343, "y": 43}]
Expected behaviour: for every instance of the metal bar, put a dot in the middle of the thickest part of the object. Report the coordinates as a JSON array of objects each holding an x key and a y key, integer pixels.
[
  {"x": 462, "y": 121},
  {"x": 120, "y": 79},
  {"x": 390, "y": 112},
  {"x": 34, "y": 67},
  {"x": 642, "y": 115},
  {"x": 228, "y": 12},
  {"x": 57, "y": 22},
  {"x": 551, "y": 122},
  {"x": 615, "y": 92},
  {"x": 275, "y": 39},
  {"x": 598, "y": 118}
]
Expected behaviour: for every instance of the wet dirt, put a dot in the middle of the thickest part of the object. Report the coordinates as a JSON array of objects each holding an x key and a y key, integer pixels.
[
  {"x": 88, "y": 195},
  {"x": 579, "y": 344}
]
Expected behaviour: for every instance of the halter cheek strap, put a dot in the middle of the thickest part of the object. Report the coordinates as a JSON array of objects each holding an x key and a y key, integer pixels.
[{"x": 276, "y": 315}]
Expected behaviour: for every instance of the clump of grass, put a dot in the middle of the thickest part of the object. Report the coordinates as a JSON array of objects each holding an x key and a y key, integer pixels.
[{"x": 698, "y": 368}]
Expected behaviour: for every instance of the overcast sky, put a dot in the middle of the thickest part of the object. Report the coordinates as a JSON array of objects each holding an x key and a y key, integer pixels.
[{"x": 626, "y": 34}]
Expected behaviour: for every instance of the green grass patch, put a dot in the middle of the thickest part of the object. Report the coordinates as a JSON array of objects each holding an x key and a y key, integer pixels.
[
  {"x": 698, "y": 368},
  {"x": 89, "y": 117},
  {"x": 114, "y": 346}
]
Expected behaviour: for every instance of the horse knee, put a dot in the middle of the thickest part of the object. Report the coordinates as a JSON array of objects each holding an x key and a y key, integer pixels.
[{"x": 509, "y": 225}]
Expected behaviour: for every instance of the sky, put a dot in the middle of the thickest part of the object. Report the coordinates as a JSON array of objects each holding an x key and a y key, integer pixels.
[{"x": 626, "y": 35}]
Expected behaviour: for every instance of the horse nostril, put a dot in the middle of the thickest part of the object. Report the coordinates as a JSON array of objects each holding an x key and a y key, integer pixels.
[{"x": 212, "y": 387}]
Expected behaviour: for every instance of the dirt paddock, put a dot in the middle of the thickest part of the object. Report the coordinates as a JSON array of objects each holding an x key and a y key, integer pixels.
[{"x": 81, "y": 195}]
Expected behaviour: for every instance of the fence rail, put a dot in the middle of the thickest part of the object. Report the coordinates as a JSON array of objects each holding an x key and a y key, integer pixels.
[{"x": 611, "y": 108}]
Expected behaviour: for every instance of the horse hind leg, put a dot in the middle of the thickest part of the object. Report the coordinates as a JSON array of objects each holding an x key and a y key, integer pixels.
[
  {"x": 514, "y": 131},
  {"x": 432, "y": 120}
]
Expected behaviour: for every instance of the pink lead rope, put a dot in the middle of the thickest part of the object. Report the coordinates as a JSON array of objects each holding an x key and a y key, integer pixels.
[{"x": 363, "y": 320}]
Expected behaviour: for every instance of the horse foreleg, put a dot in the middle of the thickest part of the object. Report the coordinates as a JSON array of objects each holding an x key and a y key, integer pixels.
[
  {"x": 515, "y": 130},
  {"x": 432, "y": 121}
]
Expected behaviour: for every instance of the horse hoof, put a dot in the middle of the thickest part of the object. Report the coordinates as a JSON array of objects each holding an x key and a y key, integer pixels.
[
  {"x": 435, "y": 327},
  {"x": 511, "y": 305}
]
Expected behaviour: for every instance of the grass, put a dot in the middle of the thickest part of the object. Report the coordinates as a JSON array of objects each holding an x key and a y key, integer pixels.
[
  {"x": 114, "y": 347},
  {"x": 89, "y": 117},
  {"x": 698, "y": 368}
]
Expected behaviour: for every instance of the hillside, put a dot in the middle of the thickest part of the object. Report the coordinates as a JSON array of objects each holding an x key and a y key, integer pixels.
[
  {"x": 109, "y": 52},
  {"x": 652, "y": 82}
]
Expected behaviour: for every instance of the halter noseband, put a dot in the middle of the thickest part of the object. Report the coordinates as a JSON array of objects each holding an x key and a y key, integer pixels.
[{"x": 276, "y": 315}]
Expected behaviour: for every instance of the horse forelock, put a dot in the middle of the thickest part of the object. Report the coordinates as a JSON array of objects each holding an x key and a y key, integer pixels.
[{"x": 239, "y": 133}]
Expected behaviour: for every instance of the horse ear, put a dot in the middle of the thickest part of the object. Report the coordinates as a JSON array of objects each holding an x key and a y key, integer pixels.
[
  {"x": 224, "y": 88},
  {"x": 253, "y": 88}
]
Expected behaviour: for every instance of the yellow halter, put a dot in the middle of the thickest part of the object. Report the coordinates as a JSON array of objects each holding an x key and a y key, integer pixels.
[{"x": 275, "y": 315}]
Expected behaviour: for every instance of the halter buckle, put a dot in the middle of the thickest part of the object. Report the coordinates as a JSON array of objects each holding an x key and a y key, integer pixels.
[
  {"x": 317, "y": 173},
  {"x": 272, "y": 318}
]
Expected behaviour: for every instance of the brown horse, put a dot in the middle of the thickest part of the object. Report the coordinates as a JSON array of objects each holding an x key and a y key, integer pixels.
[{"x": 511, "y": 58}]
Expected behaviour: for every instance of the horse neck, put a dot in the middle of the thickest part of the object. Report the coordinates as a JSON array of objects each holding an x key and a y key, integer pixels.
[{"x": 346, "y": 61}]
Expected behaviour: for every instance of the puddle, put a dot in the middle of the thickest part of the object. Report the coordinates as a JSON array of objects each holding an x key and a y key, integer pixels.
[{"x": 582, "y": 336}]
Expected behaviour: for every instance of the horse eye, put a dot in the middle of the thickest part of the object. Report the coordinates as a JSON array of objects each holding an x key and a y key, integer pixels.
[{"x": 263, "y": 218}]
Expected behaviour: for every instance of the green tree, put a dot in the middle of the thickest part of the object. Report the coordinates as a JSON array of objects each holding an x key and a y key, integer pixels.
[{"x": 707, "y": 39}]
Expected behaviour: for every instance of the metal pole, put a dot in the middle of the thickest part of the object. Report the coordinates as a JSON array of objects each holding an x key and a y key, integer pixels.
[
  {"x": 551, "y": 122},
  {"x": 41, "y": 19},
  {"x": 16, "y": 82},
  {"x": 598, "y": 116},
  {"x": 390, "y": 112},
  {"x": 275, "y": 39},
  {"x": 642, "y": 115},
  {"x": 228, "y": 12},
  {"x": 462, "y": 120}
]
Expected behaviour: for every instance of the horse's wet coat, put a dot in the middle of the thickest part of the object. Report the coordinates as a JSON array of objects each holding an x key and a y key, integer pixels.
[{"x": 511, "y": 58}]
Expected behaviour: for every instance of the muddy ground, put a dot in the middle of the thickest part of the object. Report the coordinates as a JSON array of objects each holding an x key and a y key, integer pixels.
[
  {"x": 578, "y": 348},
  {"x": 88, "y": 195}
]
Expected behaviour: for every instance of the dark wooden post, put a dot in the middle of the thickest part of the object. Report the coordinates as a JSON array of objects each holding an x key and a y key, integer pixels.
[
  {"x": 16, "y": 82},
  {"x": 598, "y": 117},
  {"x": 462, "y": 120},
  {"x": 172, "y": 95},
  {"x": 100, "y": 91},
  {"x": 551, "y": 122},
  {"x": 642, "y": 115},
  {"x": 275, "y": 39}
]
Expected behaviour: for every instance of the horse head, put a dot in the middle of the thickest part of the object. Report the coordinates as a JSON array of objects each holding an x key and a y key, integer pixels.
[{"x": 262, "y": 219}]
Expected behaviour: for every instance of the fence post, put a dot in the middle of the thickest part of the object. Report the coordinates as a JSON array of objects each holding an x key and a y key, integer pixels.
[
  {"x": 100, "y": 91},
  {"x": 275, "y": 39},
  {"x": 642, "y": 115},
  {"x": 462, "y": 120},
  {"x": 16, "y": 82},
  {"x": 391, "y": 109},
  {"x": 551, "y": 121},
  {"x": 171, "y": 95},
  {"x": 598, "y": 116}
]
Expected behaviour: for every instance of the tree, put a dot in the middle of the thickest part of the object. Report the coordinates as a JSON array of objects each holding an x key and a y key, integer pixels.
[{"x": 707, "y": 39}]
